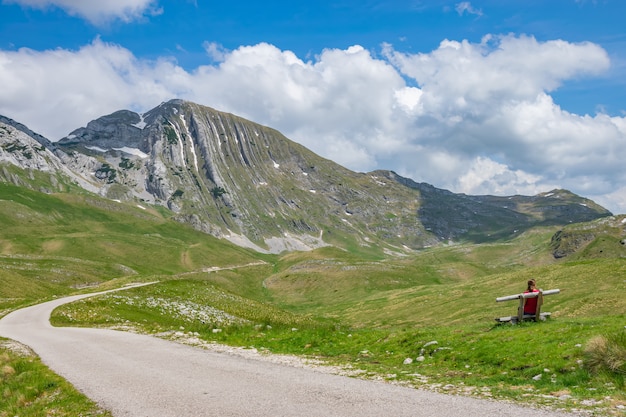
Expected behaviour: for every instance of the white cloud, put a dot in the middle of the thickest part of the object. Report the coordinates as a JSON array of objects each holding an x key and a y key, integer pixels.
[
  {"x": 499, "y": 68},
  {"x": 53, "y": 90},
  {"x": 97, "y": 12},
  {"x": 344, "y": 96},
  {"x": 215, "y": 51},
  {"x": 485, "y": 176},
  {"x": 479, "y": 118},
  {"x": 491, "y": 100},
  {"x": 466, "y": 7}
]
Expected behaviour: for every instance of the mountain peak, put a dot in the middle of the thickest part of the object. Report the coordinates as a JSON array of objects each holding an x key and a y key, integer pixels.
[{"x": 248, "y": 183}]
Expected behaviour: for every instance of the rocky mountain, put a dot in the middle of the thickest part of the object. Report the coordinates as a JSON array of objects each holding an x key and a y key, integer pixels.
[
  {"x": 245, "y": 182},
  {"x": 484, "y": 218},
  {"x": 35, "y": 156}
]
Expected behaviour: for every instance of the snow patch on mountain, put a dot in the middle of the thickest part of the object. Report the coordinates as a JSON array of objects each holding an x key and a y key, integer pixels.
[{"x": 141, "y": 124}]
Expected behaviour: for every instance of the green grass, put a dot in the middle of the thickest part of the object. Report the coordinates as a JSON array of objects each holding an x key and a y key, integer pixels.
[
  {"x": 607, "y": 354},
  {"x": 54, "y": 244},
  {"x": 355, "y": 308},
  {"x": 29, "y": 389},
  {"x": 529, "y": 363},
  {"x": 193, "y": 304}
]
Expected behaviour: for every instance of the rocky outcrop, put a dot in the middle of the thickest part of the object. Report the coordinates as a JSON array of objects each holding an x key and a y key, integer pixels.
[
  {"x": 117, "y": 130},
  {"x": 567, "y": 243},
  {"x": 605, "y": 235},
  {"x": 21, "y": 148}
]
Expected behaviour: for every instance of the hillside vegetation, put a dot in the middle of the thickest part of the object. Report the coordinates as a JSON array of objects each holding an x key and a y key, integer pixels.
[
  {"x": 55, "y": 244},
  {"x": 424, "y": 320}
]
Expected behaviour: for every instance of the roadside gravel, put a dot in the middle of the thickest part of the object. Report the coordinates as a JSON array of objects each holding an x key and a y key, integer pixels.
[{"x": 138, "y": 375}]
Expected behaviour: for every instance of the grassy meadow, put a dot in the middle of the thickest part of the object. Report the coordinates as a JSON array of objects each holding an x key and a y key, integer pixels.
[
  {"x": 425, "y": 320},
  {"x": 29, "y": 388}
]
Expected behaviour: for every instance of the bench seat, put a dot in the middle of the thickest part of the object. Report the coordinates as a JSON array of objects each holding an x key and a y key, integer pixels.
[{"x": 513, "y": 319}]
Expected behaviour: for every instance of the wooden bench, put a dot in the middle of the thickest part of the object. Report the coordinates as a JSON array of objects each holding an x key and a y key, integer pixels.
[{"x": 520, "y": 309}]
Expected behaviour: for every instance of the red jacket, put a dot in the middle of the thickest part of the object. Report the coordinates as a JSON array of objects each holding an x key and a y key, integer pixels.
[{"x": 530, "y": 307}]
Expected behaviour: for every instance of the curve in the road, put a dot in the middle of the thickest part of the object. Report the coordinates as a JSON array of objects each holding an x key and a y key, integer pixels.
[{"x": 138, "y": 375}]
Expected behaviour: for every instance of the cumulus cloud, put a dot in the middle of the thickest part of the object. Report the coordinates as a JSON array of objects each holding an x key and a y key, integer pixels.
[
  {"x": 53, "y": 90},
  {"x": 499, "y": 68},
  {"x": 97, "y": 12},
  {"x": 473, "y": 117},
  {"x": 491, "y": 100},
  {"x": 344, "y": 100}
]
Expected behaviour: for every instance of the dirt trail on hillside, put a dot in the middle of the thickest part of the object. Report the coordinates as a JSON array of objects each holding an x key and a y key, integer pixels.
[{"x": 138, "y": 375}]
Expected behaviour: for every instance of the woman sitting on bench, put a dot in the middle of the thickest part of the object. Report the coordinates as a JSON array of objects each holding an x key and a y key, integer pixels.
[{"x": 530, "y": 304}]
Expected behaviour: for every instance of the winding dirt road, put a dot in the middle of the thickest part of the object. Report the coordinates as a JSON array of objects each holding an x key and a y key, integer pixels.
[{"x": 137, "y": 375}]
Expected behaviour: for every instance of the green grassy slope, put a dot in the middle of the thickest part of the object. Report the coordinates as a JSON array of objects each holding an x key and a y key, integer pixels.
[
  {"x": 457, "y": 284},
  {"x": 363, "y": 310},
  {"x": 52, "y": 244}
]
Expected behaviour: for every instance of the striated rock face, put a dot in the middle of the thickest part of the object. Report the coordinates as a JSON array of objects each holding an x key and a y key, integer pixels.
[
  {"x": 246, "y": 182},
  {"x": 242, "y": 181}
]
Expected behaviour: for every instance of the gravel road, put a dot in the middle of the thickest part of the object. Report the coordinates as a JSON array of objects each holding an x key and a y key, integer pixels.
[{"x": 138, "y": 375}]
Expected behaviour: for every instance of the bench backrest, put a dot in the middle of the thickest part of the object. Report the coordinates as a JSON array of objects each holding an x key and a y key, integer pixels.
[{"x": 527, "y": 295}]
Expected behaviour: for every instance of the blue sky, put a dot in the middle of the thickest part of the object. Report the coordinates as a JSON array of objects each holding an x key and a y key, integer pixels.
[{"x": 482, "y": 97}]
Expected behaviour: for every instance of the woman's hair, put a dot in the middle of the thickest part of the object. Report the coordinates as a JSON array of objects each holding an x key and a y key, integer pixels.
[{"x": 531, "y": 284}]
